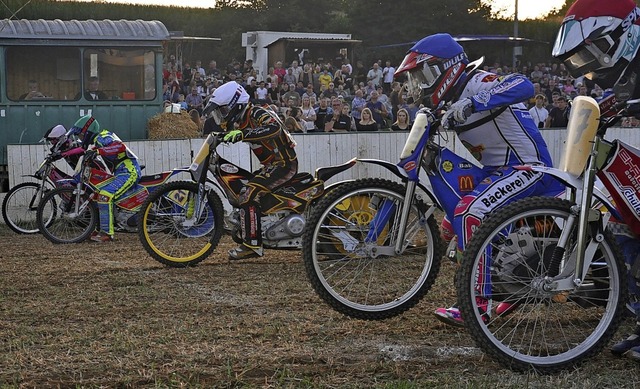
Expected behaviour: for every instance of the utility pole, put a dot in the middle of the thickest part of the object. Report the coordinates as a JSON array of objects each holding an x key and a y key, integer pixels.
[{"x": 517, "y": 50}]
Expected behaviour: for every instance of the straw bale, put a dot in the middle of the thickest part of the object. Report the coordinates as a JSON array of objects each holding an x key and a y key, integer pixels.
[{"x": 172, "y": 125}]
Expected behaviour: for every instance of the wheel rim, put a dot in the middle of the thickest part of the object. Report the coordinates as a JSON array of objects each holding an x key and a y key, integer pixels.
[
  {"x": 167, "y": 227},
  {"x": 64, "y": 225},
  {"x": 542, "y": 328},
  {"x": 354, "y": 274}
]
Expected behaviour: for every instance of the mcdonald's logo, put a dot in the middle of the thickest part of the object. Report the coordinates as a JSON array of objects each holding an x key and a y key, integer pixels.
[{"x": 465, "y": 183}]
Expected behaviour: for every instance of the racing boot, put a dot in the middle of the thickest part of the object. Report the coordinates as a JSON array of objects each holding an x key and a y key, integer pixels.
[
  {"x": 631, "y": 345},
  {"x": 251, "y": 231}
]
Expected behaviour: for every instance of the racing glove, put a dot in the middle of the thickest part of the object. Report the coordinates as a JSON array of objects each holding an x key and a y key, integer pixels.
[
  {"x": 90, "y": 155},
  {"x": 233, "y": 136},
  {"x": 457, "y": 113}
]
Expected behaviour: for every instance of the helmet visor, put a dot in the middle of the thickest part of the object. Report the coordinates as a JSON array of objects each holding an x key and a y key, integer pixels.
[{"x": 420, "y": 79}]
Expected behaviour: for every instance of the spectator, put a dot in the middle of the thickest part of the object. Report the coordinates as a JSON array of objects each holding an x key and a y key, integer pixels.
[
  {"x": 357, "y": 105},
  {"x": 402, "y": 122},
  {"x": 284, "y": 88},
  {"x": 187, "y": 76},
  {"x": 274, "y": 91},
  {"x": 366, "y": 123},
  {"x": 307, "y": 75},
  {"x": 34, "y": 92},
  {"x": 375, "y": 75},
  {"x": 182, "y": 102},
  {"x": 292, "y": 125},
  {"x": 290, "y": 78},
  {"x": 322, "y": 112},
  {"x": 309, "y": 92},
  {"x": 291, "y": 94},
  {"x": 338, "y": 78},
  {"x": 308, "y": 114},
  {"x": 213, "y": 70},
  {"x": 387, "y": 77},
  {"x": 297, "y": 71},
  {"x": 262, "y": 94},
  {"x": 200, "y": 69},
  {"x": 325, "y": 79},
  {"x": 396, "y": 100},
  {"x": 272, "y": 78},
  {"x": 331, "y": 91},
  {"x": 93, "y": 91},
  {"x": 337, "y": 122},
  {"x": 194, "y": 101},
  {"x": 359, "y": 74},
  {"x": 559, "y": 115},
  {"x": 300, "y": 88},
  {"x": 343, "y": 93},
  {"x": 279, "y": 71},
  {"x": 251, "y": 87},
  {"x": 538, "y": 112},
  {"x": 195, "y": 117},
  {"x": 378, "y": 109}
]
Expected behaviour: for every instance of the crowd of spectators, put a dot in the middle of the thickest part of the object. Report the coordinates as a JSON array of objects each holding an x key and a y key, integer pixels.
[{"x": 322, "y": 97}]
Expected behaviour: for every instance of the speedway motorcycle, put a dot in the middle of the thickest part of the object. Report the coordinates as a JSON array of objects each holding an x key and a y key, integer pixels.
[
  {"x": 555, "y": 261},
  {"x": 284, "y": 211},
  {"x": 372, "y": 247},
  {"x": 21, "y": 202},
  {"x": 69, "y": 213}
]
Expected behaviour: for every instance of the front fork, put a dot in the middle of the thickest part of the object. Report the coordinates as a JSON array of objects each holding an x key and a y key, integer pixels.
[{"x": 582, "y": 217}]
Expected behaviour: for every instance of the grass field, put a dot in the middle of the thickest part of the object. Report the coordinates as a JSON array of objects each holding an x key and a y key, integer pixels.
[{"x": 107, "y": 315}]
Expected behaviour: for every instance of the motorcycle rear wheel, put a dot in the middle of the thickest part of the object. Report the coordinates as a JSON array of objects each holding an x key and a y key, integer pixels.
[
  {"x": 170, "y": 234},
  {"x": 350, "y": 272},
  {"x": 542, "y": 331},
  {"x": 57, "y": 220}
]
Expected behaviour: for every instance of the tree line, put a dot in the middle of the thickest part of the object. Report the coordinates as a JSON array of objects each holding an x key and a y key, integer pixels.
[{"x": 382, "y": 25}]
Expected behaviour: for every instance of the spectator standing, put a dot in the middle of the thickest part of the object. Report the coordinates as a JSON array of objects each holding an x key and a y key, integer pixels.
[
  {"x": 559, "y": 115},
  {"x": 279, "y": 71},
  {"x": 308, "y": 113},
  {"x": 331, "y": 92},
  {"x": 359, "y": 74},
  {"x": 290, "y": 78},
  {"x": 357, "y": 105},
  {"x": 251, "y": 88},
  {"x": 292, "y": 94},
  {"x": 395, "y": 99},
  {"x": 213, "y": 70},
  {"x": 200, "y": 69},
  {"x": 322, "y": 112},
  {"x": 309, "y": 92},
  {"x": 378, "y": 110},
  {"x": 297, "y": 71},
  {"x": 307, "y": 75},
  {"x": 325, "y": 79},
  {"x": 387, "y": 77},
  {"x": 272, "y": 78},
  {"x": 262, "y": 94},
  {"x": 194, "y": 101},
  {"x": 538, "y": 112},
  {"x": 375, "y": 75}
]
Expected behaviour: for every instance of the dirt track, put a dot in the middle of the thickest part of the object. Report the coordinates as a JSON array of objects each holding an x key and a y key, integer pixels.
[{"x": 106, "y": 315}]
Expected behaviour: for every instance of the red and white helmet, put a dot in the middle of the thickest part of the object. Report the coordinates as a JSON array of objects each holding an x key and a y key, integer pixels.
[{"x": 599, "y": 39}]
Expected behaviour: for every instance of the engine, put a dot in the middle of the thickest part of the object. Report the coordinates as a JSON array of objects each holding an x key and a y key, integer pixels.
[{"x": 277, "y": 227}]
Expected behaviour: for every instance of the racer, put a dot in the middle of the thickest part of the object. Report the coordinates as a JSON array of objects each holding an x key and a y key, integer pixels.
[
  {"x": 62, "y": 146},
  {"x": 600, "y": 40},
  {"x": 118, "y": 158},
  {"x": 270, "y": 142},
  {"x": 487, "y": 113}
]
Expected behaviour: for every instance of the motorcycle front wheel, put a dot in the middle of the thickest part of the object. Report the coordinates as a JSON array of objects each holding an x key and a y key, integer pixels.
[
  {"x": 60, "y": 221},
  {"x": 20, "y": 205},
  {"x": 506, "y": 301},
  {"x": 170, "y": 230},
  {"x": 348, "y": 250}
]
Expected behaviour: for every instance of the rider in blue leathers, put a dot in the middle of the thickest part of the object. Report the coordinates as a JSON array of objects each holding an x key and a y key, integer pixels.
[
  {"x": 487, "y": 113},
  {"x": 601, "y": 40}
]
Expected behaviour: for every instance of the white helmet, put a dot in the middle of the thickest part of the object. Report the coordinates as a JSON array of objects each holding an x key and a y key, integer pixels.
[
  {"x": 56, "y": 136},
  {"x": 228, "y": 103}
]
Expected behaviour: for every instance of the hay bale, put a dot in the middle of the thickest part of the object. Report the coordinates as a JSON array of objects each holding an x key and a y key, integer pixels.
[{"x": 172, "y": 125}]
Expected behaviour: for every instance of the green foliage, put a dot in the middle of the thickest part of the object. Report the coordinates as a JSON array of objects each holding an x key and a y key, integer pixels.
[{"x": 375, "y": 22}]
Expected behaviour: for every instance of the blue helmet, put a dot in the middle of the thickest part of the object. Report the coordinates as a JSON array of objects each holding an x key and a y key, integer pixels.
[{"x": 434, "y": 67}]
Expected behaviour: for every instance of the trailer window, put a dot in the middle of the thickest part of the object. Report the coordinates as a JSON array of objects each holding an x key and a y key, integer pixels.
[
  {"x": 42, "y": 73},
  {"x": 119, "y": 73}
]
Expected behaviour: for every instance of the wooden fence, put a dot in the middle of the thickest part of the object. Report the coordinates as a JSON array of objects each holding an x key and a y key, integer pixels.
[{"x": 314, "y": 150}]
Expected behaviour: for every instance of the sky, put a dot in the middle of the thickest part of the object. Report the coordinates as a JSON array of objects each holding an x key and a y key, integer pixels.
[{"x": 526, "y": 8}]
